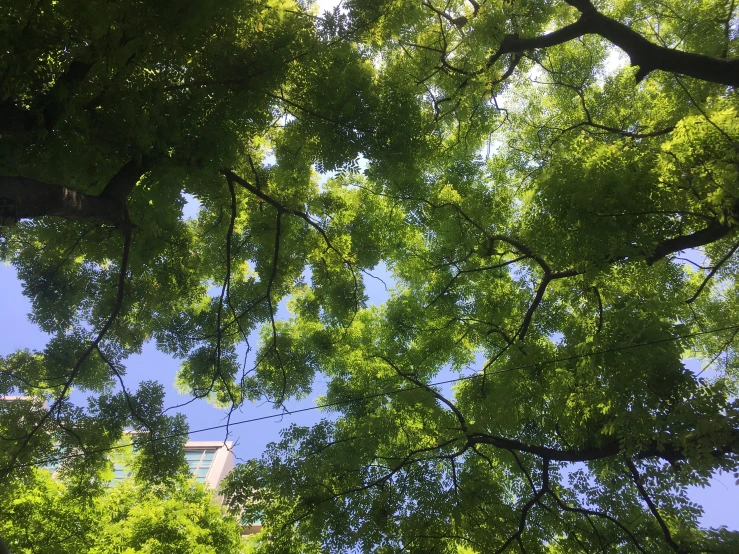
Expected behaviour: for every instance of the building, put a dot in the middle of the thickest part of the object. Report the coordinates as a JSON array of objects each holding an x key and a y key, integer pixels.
[{"x": 209, "y": 462}]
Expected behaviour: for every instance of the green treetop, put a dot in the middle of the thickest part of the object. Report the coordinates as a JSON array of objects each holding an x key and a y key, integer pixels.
[
  {"x": 44, "y": 515},
  {"x": 552, "y": 185}
]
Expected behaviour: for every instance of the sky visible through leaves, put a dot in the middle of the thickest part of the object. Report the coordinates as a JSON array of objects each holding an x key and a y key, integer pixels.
[{"x": 720, "y": 501}]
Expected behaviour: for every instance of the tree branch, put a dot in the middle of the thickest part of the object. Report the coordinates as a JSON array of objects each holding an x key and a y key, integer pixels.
[
  {"x": 422, "y": 385},
  {"x": 651, "y": 505},
  {"x": 668, "y": 452},
  {"x": 26, "y": 198},
  {"x": 713, "y": 271},
  {"x": 643, "y": 53},
  {"x": 122, "y": 183},
  {"x": 712, "y": 233},
  {"x": 548, "y": 278},
  {"x": 225, "y": 293},
  {"x": 526, "y": 509},
  {"x": 596, "y": 513}
]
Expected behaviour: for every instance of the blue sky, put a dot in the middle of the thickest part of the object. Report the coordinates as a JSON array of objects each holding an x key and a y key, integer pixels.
[{"x": 17, "y": 332}]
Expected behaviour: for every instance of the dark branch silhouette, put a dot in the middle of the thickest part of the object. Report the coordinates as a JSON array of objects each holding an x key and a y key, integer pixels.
[{"x": 29, "y": 198}]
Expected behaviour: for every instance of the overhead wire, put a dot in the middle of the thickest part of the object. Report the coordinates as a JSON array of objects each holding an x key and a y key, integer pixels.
[{"x": 389, "y": 392}]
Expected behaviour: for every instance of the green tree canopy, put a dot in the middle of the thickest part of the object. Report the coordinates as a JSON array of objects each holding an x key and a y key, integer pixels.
[
  {"x": 45, "y": 515},
  {"x": 552, "y": 185}
]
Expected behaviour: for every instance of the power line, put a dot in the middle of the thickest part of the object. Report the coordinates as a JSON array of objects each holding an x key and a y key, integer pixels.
[{"x": 389, "y": 392}]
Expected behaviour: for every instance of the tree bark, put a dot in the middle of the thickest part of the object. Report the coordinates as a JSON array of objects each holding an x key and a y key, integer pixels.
[
  {"x": 21, "y": 198},
  {"x": 643, "y": 53},
  {"x": 123, "y": 182},
  {"x": 669, "y": 451},
  {"x": 715, "y": 231}
]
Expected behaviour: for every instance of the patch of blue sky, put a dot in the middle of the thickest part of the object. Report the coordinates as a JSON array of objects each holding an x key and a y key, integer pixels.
[{"x": 191, "y": 208}]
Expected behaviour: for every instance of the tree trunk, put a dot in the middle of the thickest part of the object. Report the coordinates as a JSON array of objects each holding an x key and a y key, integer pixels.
[
  {"x": 27, "y": 198},
  {"x": 21, "y": 197}
]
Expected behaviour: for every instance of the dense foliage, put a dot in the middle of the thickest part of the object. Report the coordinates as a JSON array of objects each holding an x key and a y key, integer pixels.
[
  {"x": 552, "y": 186},
  {"x": 43, "y": 515}
]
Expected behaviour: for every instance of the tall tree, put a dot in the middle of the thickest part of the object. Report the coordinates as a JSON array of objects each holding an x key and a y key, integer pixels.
[{"x": 553, "y": 186}]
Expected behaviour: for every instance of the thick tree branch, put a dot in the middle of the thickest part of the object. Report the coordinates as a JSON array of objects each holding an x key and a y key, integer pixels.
[
  {"x": 24, "y": 198},
  {"x": 713, "y": 232},
  {"x": 513, "y": 43},
  {"x": 647, "y": 55},
  {"x": 122, "y": 183},
  {"x": 28, "y": 198},
  {"x": 668, "y": 452}
]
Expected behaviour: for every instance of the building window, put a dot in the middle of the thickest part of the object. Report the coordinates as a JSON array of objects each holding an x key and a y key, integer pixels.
[
  {"x": 200, "y": 461},
  {"x": 120, "y": 472}
]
